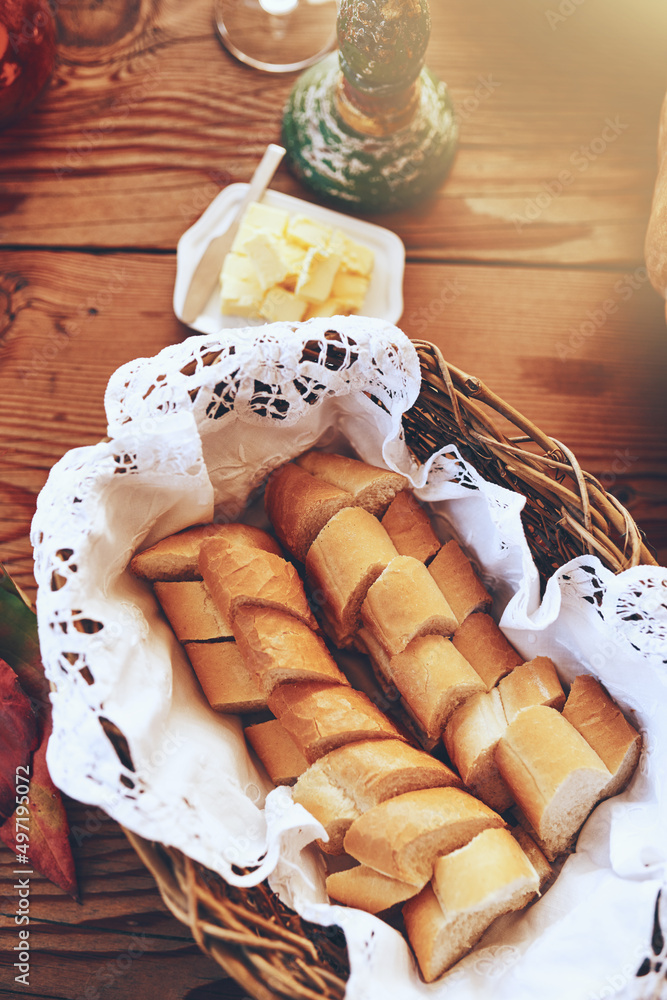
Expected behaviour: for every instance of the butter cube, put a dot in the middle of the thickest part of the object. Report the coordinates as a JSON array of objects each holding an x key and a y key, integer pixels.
[
  {"x": 308, "y": 233},
  {"x": 332, "y": 307},
  {"x": 279, "y": 304},
  {"x": 293, "y": 257},
  {"x": 350, "y": 289},
  {"x": 338, "y": 243},
  {"x": 265, "y": 219},
  {"x": 243, "y": 235},
  {"x": 264, "y": 253},
  {"x": 236, "y": 265},
  {"x": 240, "y": 307},
  {"x": 317, "y": 275},
  {"x": 358, "y": 258}
]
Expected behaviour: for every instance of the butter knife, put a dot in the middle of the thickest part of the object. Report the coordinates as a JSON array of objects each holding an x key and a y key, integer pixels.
[{"x": 207, "y": 272}]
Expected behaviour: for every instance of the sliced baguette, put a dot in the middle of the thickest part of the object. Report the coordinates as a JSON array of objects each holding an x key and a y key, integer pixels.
[
  {"x": 277, "y": 751},
  {"x": 553, "y": 774},
  {"x": 409, "y": 528},
  {"x": 604, "y": 727},
  {"x": 191, "y": 610},
  {"x": 454, "y": 574},
  {"x": 403, "y": 603},
  {"x": 403, "y": 836},
  {"x": 347, "y": 556},
  {"x": 471, "y": 887},
  {"x": 238, "y": 575},
  {"x": 471, "y": 738},
  {"x": 278, "y": 648},
  {"x": 299, "y": 505},
  {"x": 372, "y": 488},
  {"x": 366, "y": 889},
  {"x": 533, "y": 683},
  {"x": 345, "y": 783},
  {"x": 432, "y": 678},
  {"x": 224, "y": 677},
  {"x": 320, "y": 717},
  {"x": 177, "y": 556},
  {"x": 486, "y": 649}
]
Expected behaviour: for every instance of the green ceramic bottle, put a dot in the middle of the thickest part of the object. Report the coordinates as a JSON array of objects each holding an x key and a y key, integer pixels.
[{"x": 370, "y": 127}]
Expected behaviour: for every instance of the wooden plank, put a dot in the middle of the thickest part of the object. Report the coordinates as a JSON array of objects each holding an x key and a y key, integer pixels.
[
  {"x": 540, "y": 338},
  {"x": 138, "y": 131},
  {"x": 120, "y": 941}
]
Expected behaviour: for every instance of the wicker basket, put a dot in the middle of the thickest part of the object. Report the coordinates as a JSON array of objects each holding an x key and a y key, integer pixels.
[{"x": 263, "y": 945}]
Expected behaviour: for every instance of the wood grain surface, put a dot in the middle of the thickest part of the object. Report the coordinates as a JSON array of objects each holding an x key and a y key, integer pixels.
[{"x": 526, "y": 270}]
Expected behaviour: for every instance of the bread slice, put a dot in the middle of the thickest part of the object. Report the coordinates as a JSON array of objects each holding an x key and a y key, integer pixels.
[
  {"x": 238, "y": 575},
  {"x": 278, "y": 648},
  {"x": 372, "y": 488},
  {"x": 177, "y": 556},
  {"x": 533, "y": 683},
  {"x": 471, "y": 887},
  {"x": 409, "y": 528},
  {"x": 471, "y": 738},
  {"x": 554, "y": 775},
  {"x": 320, "y": 717},
  {"x": 277, "y": 751},
  {"x": 342, "y": 785},
  {"x": 403, "y": 836},
  {"x": 347, "y": 556},
  {"x": 486, "y": 649},
  {"x": 224, "y": 677},
  {"x": 537, "y": 859},
  {"x": 191, "y": 610},
  {"x": 432, "y": 678},
  {"x": 454, "y": 574},
  {"x": 604, "y": 727},
  {"x": 403, "y": 603},
  {"x": 368, "y": 890},
  {"x": 299, "y": 505}
]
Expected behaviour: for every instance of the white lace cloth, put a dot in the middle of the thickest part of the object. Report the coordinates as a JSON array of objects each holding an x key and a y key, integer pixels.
[{"x": 193, "y": 434}]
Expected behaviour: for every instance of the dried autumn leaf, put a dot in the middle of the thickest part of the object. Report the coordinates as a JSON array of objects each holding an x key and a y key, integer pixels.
[
  {"x": 50, "y": 852},
  {"x": 48, "y": 830},
  {"x": 18, "y": 736}
]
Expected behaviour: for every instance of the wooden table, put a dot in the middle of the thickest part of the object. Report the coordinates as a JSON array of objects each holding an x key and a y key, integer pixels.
[{"x": 509, "y": 268}]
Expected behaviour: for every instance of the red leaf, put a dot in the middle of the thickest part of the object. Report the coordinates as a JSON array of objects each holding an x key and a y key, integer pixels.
[
  {"x": 48, "y": 830},
  {"x": 18, "y": 736}
]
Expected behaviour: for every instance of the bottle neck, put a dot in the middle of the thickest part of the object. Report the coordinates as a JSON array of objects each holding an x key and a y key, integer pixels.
[{"x": 376, "y": 116}]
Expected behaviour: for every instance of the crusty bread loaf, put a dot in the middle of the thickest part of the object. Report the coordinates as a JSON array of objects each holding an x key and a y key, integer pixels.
[
  {"x": 403, "y": 603},
  {"x": 604, "y": 727},
  {"x": 349, "y": 553},
  {"x": 345, "y": 783},
  {"x": 277, "y": 751},
  {"x": 277, "y": 648},
  {"x": 403, "y": 836},
  {"x": 224, "y": 677},
  {"x": 320, "y": 717},
  {"x": 191, "y": 610},
  {"x": 177, "y": 556},
  {"x": 533, "y": 683},
  {"x": 471, "y": 887},
  {"x": 432, "y": 678},
  {"x": 408, "y": 525},
  {"x": 553, "y": 774},
  {"x": 537, "y": 859},
  {"x": 486, "y": 649},
  {"x": 299, "y": 505},
  {"x": 471, "y": 738},
  {"x": 237, "y": 575},
  {"x": 372, "y": 488},
  {"x": 368, "y": 890},
  {"x": 454, "y": 574}
]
